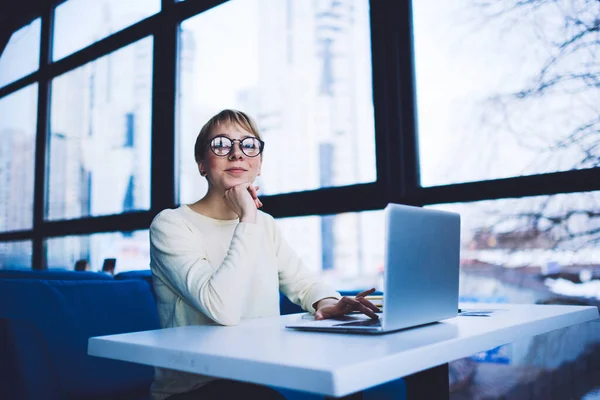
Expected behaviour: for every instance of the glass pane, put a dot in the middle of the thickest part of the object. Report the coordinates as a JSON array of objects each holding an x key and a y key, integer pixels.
[
  {"x": 99, "y": 160},
  {"x": 346, "y": 250},
  {"x": 21, "y": 56},
  {"x": 18, "y": 116},
  {"x": 80, "y": 23},
  {"x": 515, "y": 83},
  {"x": 308, "y": 85},
  {"x": 531, "y": 249},
  {"x": 16, "y": 254},
  {"x": 130, "y": 249}
]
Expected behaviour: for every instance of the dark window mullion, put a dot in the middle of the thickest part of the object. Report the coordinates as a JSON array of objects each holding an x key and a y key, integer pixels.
[
  {"x": 16, "y": 235},
  {"x": 393, "y": 88},
  {"x": 104, "y": 46},
  {"x": 186, "y": 9},
  {"x": 164, "y": 76},
  {"x": 19, "y": 84},
  {"x": 409, "y": 149},
  {"x": 361, "y": 197},
  {"x": 38, "y": 260},
  {"x": 131, "y": 221},
  {"x": 585, "y": 180},
  {"x": 383, "y": 98}
]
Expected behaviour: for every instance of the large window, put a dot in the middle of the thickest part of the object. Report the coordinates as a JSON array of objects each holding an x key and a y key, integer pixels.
[
  {"x": 99, "y": 159},
  {"x": 17, "y": 154},
  {"x": 79, "y": 23},
  {"x": 498, "y": 89},
  {"x": 302, "y": 69},
  {"x": 15, "y": 254},
  {"x": 130, "y": 249},
  {"x": 506, "y": 88},
  {"x": 530, "y": 249},
  {"x": 22, "y": 53},
  {"x": 346, "y": 250}
]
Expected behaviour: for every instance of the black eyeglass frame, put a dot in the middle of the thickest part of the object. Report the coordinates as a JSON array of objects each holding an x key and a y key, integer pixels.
[{"x": 261, "y": 145}]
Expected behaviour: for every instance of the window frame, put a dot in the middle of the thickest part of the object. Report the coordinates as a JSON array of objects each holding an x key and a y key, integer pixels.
[{"x": 396, "y": 138}]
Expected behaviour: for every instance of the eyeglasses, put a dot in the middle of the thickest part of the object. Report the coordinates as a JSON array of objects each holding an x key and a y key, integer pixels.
[{"x": 223, "y": 146}]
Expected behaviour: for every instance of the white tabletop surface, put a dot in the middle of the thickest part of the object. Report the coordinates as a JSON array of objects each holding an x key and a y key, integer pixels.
[{"x": 263, "y": 351}]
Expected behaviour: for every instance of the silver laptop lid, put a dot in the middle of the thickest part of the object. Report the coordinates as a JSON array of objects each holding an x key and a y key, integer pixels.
[{"x": 422, "y": 258}]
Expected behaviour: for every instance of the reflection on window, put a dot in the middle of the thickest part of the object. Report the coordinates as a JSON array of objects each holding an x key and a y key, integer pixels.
[
  {"x": 16, "y": 254},
  {"x": 302, "y": 69},
  {"x": 530, "y": 249},
  {"x": 80, "y": 23},
  {"x": 130, "y": 249},
  {"x": 347, "y": 250},
  {"x": 18, "y": 116},
  {"x": 99, "y": 160},
  {"x": 516, "y": 85},
  {"x": 21, "y": 56}
]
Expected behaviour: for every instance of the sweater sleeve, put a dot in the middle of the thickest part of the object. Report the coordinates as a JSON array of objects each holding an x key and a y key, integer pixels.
[
  {"x": 296, "y": 281},
  {"x": 179, "y": 253}
]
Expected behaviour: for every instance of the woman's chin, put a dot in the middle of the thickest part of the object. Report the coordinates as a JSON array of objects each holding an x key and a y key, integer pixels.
[{"x": 231, "y": 183}]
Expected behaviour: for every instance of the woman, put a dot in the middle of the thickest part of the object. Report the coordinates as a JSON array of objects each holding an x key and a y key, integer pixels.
[{"x": 220, "y": 260}]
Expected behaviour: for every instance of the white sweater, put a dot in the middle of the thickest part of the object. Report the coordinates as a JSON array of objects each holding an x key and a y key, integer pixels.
[{"x": 208, "y": 271}]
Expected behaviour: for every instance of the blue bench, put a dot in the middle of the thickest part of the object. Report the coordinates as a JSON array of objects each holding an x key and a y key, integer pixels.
[
  {"x": 52, "y": 314},
  {"x": 50, "y": 322},
  {"x": 8, "y": 375}
]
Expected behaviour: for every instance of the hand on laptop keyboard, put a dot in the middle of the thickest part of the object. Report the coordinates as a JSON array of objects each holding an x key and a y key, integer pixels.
[{"x": 330, "y": 308}]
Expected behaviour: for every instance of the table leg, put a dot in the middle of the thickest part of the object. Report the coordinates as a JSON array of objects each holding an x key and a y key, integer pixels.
[{"x": 432, "y": 383}]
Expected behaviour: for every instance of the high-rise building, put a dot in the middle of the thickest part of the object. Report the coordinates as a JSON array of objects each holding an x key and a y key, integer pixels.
[
  {"x": 189, "y": 120},
  {"x": 5, "y": 158},
  {"x": 316, "y": 110},
  {"x": 100, "y": 140},
  {"x": 16, "y": 205},
  {"x": 20, "y": 173}
]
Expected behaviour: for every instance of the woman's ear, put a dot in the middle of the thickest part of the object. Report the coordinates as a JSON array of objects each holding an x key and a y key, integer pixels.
[{"x": 201, "y": 168}]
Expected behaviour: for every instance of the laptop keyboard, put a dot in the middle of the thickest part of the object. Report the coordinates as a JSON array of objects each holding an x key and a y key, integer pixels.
[{"x": 367, "y": 322}]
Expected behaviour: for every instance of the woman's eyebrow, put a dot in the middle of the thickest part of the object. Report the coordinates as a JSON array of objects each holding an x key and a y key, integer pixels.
[{"x": 228, "y": 136}]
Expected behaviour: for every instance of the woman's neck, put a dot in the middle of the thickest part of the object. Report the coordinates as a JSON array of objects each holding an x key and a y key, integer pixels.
[{"x": 212, "y": 205}]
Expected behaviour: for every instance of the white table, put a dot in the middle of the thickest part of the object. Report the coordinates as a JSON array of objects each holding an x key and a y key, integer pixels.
[{"x": 263, "y": 351}]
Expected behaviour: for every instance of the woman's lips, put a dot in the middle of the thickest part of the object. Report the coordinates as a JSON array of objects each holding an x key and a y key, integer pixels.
[{"x": 235, "y": 171}]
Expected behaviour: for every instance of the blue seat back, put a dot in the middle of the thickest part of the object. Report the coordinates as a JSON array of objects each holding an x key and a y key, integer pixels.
[
  {"x": 55, "y": 274},
  {"x": 23, "y": 331},
  {"x": 145, "y": 275},
  {"x": 61, "y": 316}
]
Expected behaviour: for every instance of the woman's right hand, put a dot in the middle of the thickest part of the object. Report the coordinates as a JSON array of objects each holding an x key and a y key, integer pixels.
[{"x": 243, "y": 200}]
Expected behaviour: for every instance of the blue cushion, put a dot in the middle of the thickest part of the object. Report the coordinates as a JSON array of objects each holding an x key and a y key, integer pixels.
[
  {"x": 56, "y": 319},
  {"x": 53, "y": 274},
  {"x": 145, "y": 275},
  {"x": 9, "y": 377},
  {"x": 287, "y": 307},
  {"x": 35, "y": 363}
]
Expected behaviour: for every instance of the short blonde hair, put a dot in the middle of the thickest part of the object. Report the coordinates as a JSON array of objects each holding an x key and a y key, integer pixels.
[{"x": 233, "y": 117}]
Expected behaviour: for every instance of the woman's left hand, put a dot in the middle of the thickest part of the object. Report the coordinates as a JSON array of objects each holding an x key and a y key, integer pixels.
[
  {"x": 329, "y": 308},
  {"x": 254, "y": 193}
]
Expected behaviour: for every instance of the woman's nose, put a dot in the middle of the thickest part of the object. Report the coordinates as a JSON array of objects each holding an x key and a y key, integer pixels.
[{"x": 236, "y": 151}]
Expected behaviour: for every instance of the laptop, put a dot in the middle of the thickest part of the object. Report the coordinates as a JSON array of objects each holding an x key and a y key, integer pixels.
[{"x": 421, "y": 273}]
